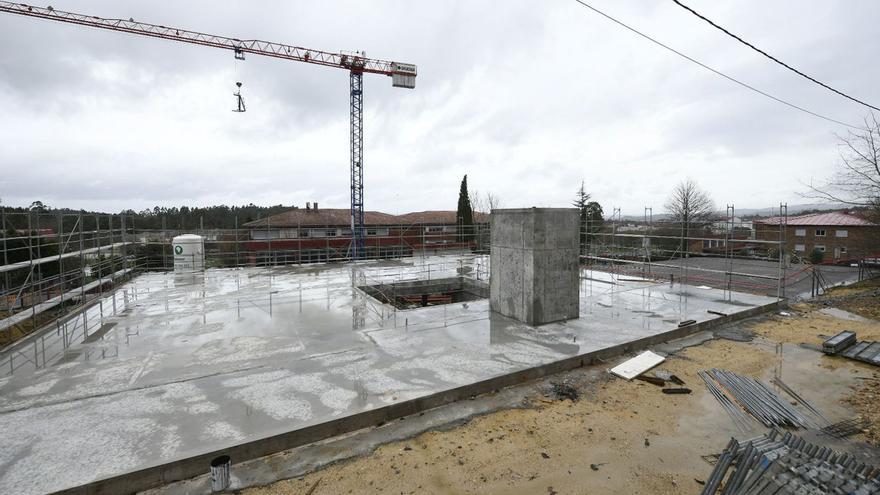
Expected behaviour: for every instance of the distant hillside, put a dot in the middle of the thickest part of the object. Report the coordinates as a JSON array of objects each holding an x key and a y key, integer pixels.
[
  {"x": 792, "y": 209},
  {"x": 762, "y": 212}
]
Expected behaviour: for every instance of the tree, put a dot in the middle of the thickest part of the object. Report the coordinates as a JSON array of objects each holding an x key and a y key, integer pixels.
[
  {"x": 595, "y": 218},
  {"x": 484, "y": 202},
  {"x": 464, "y": 213},
  {"x": 816, "y": 256},
  {"x": 857, "y": 180},
  {"x": 591, "y": 217},
  {"x": 690, "y": 206}
]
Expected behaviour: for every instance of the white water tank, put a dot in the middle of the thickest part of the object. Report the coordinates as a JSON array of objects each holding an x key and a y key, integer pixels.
[{"x": 189, "y": 253}]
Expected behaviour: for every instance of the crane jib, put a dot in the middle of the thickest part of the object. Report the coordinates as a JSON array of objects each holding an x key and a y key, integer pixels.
[{"x": 402, "y": 76}]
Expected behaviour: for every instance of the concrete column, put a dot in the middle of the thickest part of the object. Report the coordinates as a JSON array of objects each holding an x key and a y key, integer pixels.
[{"x": 534, "y": 264}]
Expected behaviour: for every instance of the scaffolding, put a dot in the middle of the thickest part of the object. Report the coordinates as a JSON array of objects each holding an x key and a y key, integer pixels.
[
  {"x": 58, "y": 264},
  {"x": 61, "y": 270}
]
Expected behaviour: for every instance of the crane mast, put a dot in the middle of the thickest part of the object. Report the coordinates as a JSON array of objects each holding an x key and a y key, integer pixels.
[{"x": 403, "y": 75}]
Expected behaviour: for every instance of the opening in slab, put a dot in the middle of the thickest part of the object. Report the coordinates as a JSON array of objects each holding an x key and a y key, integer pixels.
[{"x": 422, "y": 293}]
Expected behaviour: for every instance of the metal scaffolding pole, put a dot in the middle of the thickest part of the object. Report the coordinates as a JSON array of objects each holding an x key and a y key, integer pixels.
[
  {"x": 783, "y": 224},
  {"x": 646, "y": 240},
  {"x": 6, "y": 286},
  {"x": 236, "y": 241},
  {"x": 60, "y": 237}
]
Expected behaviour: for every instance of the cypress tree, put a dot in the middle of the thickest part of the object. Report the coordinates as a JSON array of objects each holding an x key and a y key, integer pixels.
[{"x": 464, "y": 214}]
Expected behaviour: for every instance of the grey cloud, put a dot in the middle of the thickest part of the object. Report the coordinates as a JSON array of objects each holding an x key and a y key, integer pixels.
[{"x": 527, "y": 98}]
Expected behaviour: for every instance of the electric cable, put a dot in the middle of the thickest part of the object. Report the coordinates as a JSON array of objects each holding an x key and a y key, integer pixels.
[
  {"x": 715, "y": 71},
  {"x": 771, "y": 57}
]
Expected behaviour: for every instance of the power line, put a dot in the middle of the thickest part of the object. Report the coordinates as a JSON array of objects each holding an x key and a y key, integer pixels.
[
  {"x": 717, "y": 72},
  {"x": 771, "y": 57}
]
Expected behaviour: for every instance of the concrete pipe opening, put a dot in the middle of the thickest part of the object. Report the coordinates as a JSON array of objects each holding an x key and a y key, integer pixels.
[{"x": 220, "y": 473}]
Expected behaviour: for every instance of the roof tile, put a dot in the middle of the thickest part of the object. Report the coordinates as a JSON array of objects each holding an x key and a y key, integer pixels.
[{"x": 834, "y": 218}]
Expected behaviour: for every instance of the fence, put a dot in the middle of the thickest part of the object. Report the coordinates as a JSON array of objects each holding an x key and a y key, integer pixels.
[{"x": 56, "y": 265}]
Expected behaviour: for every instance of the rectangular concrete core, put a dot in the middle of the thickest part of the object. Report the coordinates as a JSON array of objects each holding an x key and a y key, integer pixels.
[{"x": 534, "y": 264}]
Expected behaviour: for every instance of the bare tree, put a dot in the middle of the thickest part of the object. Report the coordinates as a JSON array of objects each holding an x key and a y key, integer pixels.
[
  {"x": 689, "y": 205},
  {"x": 857, "y": 179},
  {"x": 484, "y": 202}
]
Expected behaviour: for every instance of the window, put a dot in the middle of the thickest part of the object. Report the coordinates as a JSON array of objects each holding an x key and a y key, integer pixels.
[
  {"x": 377, "y": 232},
  {"x": 800, "y": 232},
  {"x": 433, "y": 229},
  {"x": 331, "y": 232},
  {"x": 842, "y": 249},
  {"x": 303, "y": 233},
  {"x": 800, "y": 248},
  {"x": 842, "y": 233},
  {"x": 819, "y": 248},
  {"x": 820, "y": 232}
]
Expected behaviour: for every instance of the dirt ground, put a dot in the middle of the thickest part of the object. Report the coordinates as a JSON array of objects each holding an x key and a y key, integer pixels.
[
  {"x": 620, "y": 437},
  {"x": 861, "y": 298}
]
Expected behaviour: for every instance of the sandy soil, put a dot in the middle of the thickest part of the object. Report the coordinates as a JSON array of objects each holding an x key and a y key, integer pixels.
[
  {"x": 862, "y": 298},
  {"x": 620, "y": 437}
]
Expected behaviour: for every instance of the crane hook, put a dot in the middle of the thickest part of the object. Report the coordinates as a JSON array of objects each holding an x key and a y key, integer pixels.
[{"x": 237, "y": 94}]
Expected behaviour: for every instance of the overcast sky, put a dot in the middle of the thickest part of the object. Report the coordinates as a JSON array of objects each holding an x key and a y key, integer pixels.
[{"x": 527, "y": 98}]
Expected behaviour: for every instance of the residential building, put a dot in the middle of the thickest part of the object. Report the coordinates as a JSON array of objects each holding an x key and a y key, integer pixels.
[
  {"x": 312, "y": 234},
  {"x": 840, "y": 235}
]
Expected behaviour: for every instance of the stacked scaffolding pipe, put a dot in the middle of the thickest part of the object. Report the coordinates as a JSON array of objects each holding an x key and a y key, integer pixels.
[
  {"x": 754, "y": 397},
  {"x": 786, "y": 463},
  {"x": 779, "y": 383}
]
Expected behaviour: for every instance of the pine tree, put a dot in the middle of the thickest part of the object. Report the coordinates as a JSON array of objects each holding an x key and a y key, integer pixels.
[
  {"x": 465, "y": 214},
  {"x": 581, "y": 199},
  {"x": 591, "y": 217}
]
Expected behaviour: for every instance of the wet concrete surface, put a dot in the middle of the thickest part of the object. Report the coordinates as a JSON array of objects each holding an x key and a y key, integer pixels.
[
  {"x": 705, "y": 419},
  {"x": 762, "y": 276},
  {"x": 195, "y": 363}
]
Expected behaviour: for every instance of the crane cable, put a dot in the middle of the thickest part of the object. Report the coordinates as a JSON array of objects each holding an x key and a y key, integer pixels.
[
  {"x": 715, "y": 71},
  {"x": 771, "y": 57}
]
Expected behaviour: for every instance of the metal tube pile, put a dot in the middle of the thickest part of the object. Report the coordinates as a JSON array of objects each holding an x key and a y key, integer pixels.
[
  {"x": 740, "y": 419},
  {"x": 745, "y": 393},
  {"x": 777, "y": 463},
  {"x": 779, "y": 383}
]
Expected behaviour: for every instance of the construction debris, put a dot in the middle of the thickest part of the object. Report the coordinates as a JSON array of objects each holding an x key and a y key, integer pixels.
[
  {"x": 652, "y": 380},
  {"x": 839, "y": 342},
  {"x": 867, "y": 352},
  {"x": 776, "y": 463},
  {"x": 741, "y": 393},
  {"x": 634, "y": 367},
  {"x": 562, "y": 391},
  {"x": 844, "y": 344},
  {"x": 674, "y": 391},
  {"x": 846, "y": 428},
  {"x": 669, "y": 377}
]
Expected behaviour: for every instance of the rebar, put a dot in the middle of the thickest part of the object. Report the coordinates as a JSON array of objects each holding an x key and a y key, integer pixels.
[{"x": 754, "y": 397}]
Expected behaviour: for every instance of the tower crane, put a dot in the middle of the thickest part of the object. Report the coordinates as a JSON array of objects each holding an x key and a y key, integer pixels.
[{"x": 403, "y": 75}]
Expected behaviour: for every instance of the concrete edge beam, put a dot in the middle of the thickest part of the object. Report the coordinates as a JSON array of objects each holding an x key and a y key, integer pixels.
[{"x": 191, "y": 467}]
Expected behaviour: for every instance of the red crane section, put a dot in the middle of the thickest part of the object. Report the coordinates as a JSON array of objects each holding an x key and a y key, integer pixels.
[
  {"x": 402, "y": 76},
  {"x": 257, "y": 47}
]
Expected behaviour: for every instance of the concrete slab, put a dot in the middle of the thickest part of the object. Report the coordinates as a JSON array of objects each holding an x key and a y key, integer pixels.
[
  {"x": 796, "y": 281},
  {"x": 199, "y": 363}
]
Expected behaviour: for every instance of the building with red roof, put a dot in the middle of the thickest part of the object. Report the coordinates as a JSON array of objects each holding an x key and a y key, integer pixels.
[
  {"x": 313, "y": 234},
  {"x": 840, "y": 235}
]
